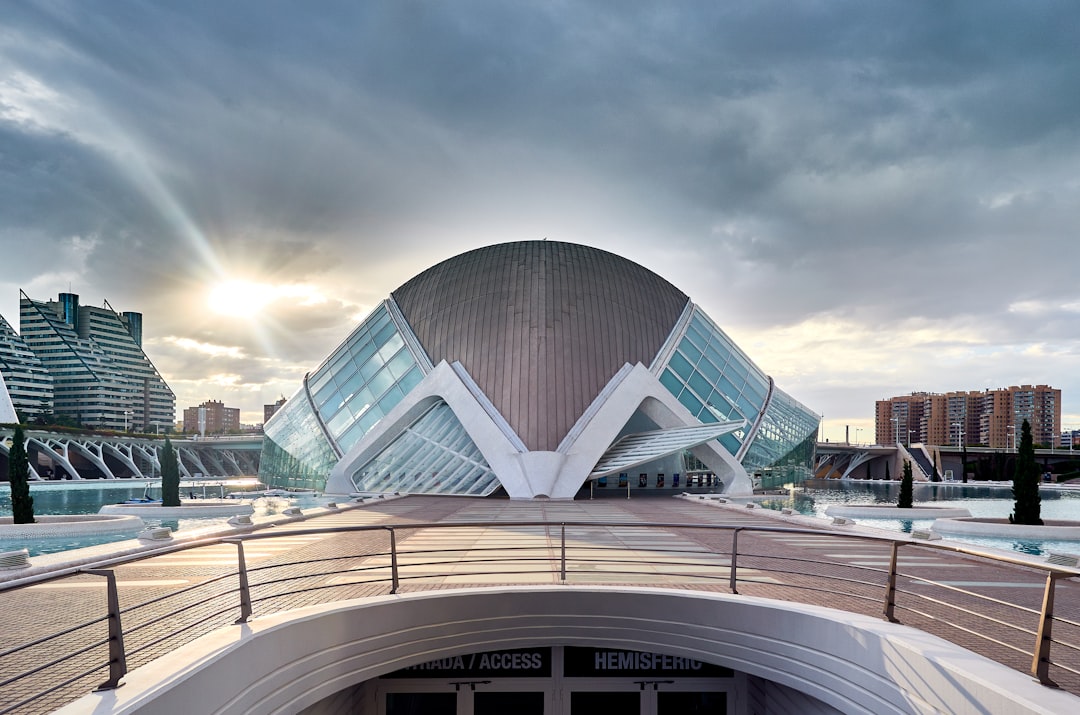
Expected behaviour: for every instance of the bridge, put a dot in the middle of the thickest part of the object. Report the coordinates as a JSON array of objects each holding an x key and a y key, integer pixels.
[
  {"x": 840, "y": 460},
  {"x": 69, "y": 456}
]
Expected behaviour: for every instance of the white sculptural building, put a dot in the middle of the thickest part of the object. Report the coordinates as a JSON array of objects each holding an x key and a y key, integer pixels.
[{"x": 532, "y": 368}]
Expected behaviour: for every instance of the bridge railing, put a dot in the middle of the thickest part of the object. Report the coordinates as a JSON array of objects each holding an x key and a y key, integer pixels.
[{"x": 62, "y": 649}]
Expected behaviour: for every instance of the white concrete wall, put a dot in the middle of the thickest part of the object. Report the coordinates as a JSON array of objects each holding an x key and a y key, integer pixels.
[{"x": 285, "y": 663}]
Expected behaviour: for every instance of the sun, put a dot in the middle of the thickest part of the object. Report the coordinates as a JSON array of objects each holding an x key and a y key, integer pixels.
[{"x": 240, "y": 299}]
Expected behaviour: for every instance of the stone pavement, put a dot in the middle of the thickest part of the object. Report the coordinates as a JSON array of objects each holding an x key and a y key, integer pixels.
[{"x": 171, "y": 599}]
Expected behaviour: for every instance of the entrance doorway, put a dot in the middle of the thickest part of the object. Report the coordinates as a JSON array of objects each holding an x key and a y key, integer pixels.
[{"x": 560, "y": 681}]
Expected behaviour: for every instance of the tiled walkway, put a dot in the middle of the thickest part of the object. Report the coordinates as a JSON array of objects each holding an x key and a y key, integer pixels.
[{"x": 327, "y": 567}]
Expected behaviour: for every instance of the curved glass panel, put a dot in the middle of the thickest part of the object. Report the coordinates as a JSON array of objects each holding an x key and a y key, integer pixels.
[
  {"x": 295, "y": 454},
  {"x": 363, "y": 379},
  {"x": 434, "y": 455},
  {"x": 783, "y": 448},
  {"x": 713, "y": 379}
]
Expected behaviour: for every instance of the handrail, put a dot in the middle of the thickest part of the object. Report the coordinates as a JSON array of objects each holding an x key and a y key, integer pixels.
[{"x": 267, "y": 580}]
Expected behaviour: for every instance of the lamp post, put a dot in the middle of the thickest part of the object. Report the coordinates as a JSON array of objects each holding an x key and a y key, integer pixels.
[
  {"x": 896, "y": 430},
  {"x": 909, "y": 433},
  {"x": 857, "y": 431},
  {"x": 1010, "y": 434},
  {"x": 127, "y": 414},
  {"x": 962, "y": 446}
]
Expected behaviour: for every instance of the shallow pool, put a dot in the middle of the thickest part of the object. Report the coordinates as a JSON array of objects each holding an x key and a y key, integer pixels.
[
  {"x": 88, "y": 497},
  {"x": 995, "y": 501}
]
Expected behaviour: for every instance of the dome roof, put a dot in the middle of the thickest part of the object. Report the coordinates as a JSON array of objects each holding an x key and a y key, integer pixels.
[{"x": 541, "y": 326}]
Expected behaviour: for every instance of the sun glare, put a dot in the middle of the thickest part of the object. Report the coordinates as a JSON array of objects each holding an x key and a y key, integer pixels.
[
  {"x": 240, "y": 299},
  {"x": 246, "y": 299}
]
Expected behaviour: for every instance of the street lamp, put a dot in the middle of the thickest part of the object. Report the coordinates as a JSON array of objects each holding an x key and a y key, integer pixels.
[
  {"x": 127, "y": 413},
  {"x": 896, "y": 430},
  {"x": 857, "y": 431},
  {"x": 909, "y": 433},
  {"x": 959, "y": 434},
  {"x": 1010, "y": 433}
]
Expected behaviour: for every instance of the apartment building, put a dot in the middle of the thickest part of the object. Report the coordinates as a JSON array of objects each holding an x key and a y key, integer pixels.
[
  {"x": 990, "y": 417},
  {"x": 93, "y": 356}
]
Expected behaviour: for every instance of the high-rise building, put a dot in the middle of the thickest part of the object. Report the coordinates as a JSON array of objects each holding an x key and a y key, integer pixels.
[
  {"x": 100, "y": 375},
  {"x": 992, "y": 417},
  {"x": 212, "y": 417},
  {"x": 29, "y": 384}
]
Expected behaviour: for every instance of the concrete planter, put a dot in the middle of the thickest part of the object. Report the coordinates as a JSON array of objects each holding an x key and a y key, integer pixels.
[
  {"x": 1053, "y": 530},
  {"x": 69, "y": 525},
  {"x": 891, "y": 511},
  {"x": 191, "y": 509}
]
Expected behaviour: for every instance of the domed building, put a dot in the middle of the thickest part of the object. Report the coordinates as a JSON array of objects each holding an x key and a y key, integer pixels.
[{"x": 534, "y": 368}]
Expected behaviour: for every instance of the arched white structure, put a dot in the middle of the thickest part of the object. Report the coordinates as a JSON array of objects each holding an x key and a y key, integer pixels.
[
  {"x": 814, "y": 660},
  {"x": 556, "y": 474}
]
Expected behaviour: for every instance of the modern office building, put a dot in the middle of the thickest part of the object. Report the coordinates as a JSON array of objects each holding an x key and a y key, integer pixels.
[
  {"x": 100, "y": 375},
  {"x": 29, "y": 384},
  {"x": 533, "y": 368},
  {"x": 992, "y": 418},
  {"x": 211, "y": 417}
]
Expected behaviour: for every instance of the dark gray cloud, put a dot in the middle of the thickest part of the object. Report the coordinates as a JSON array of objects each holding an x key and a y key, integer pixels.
[{"x": 873, "y": 163}]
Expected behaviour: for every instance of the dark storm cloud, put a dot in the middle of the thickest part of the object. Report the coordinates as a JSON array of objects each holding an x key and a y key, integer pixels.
[{"x": 776, "y": 160}]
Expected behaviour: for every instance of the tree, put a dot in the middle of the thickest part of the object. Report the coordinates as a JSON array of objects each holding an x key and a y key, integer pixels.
[
  {"x": 906, "y": 483},
  {"x": 22, "y": 504},
  {"x": 170, "y": 476},
  {"x": 1026, "y": 482},
  {"x": 887, "y": 477}
]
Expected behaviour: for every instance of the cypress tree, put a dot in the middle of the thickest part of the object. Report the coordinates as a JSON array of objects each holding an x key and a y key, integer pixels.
[
  {"x": 1025, "y": 489},
  {"x": 22, "y": 504},
  {"x": 906, "y": 484},
  {"x": 170, "y": 476},
  {"x": 887, "y": 477}
]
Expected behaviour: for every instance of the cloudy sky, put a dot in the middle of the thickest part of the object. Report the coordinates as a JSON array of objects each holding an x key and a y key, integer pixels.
[{"x": 870, "y": 198}]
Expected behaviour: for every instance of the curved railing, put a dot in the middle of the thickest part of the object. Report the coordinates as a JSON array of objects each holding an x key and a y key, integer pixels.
[{"x": 47, "y": 670}]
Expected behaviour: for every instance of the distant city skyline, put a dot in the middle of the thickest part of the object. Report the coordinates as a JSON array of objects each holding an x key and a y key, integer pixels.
[{"x": 870, "y": 199}]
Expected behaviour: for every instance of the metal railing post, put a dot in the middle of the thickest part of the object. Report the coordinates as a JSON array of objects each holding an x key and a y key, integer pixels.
[
  {"x": 562, "y": 560},
  {"x": 117, "y": 657},
  {"x": 393, "y": 560},
  {"x": 890, "y": 589},
  {"x": 245, "y": 588},
  {"x": 734, "y": 559},
  {"x": 1040, "y": 663}
]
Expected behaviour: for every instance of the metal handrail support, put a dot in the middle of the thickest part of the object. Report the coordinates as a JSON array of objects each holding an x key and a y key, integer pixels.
[
  {"x": 393, "y": 560},
  {"x": 245, "y": 589},
  {"x": 734, "y": 558},
  {"x": 117, "y": 657},
  {"x": 890, "y": 590},
  {"x": 1040, "y": 664},
  {"x": 562, "y": 546}
]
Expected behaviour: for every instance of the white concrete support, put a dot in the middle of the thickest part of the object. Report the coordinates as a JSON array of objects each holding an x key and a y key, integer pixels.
[
  {"x": 122, "y": 453},
  {"x": 284, "y": 663},
  {"x": 529, "y": 474},
  {"x": 92, "y": 452},
  {"x": 58, "y": 452}
]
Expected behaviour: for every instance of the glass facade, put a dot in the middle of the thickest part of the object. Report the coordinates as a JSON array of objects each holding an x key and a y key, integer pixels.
[
  {"x": 716, "y": 381},
  {"x": 378, "y": 365},
  {"x": 354, "y": 388},
  {"x": 433, "y": 456}
]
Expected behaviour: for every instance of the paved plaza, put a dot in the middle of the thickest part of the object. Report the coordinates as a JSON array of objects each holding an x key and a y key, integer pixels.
[{"x": 301, "y": 568}]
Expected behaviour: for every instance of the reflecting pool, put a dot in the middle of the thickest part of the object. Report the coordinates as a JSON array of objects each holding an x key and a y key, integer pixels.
[
  {"x": 981, "y": 499},
  {"x": 89, "y": 496}
]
